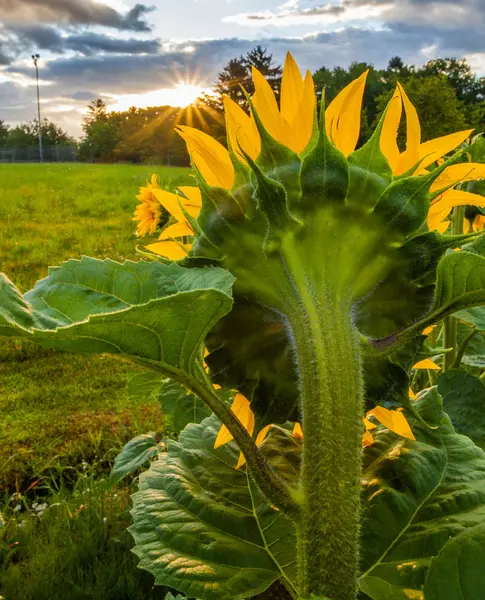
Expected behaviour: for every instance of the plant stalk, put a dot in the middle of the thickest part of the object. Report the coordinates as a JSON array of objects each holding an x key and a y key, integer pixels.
[
  {"x": 450, "y": 325},
  {"x": 332, "y": 402},
  {"x": 273, "y": 487}
]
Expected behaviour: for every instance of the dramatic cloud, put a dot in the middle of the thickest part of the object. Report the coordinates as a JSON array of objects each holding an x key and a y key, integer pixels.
[
  {"x": 73, "y": 12},
  {"x": 45, "y": 37}
]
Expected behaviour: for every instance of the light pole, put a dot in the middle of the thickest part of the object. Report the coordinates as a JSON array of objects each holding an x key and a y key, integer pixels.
[{"x": 35, "y": 58}]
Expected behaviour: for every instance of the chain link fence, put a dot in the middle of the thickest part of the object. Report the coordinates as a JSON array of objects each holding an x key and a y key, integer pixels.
[{"x": 31, "y": 154}]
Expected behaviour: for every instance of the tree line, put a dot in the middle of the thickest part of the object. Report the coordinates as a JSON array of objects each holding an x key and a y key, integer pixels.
[{"x": 447, "y": 94}]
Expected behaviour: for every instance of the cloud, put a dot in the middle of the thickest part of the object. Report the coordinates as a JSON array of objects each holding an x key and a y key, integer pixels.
[
  {"x": 74, "y": 12},
  {"x": 298, "y": 12},
  {"x": 46, "y": 37}
]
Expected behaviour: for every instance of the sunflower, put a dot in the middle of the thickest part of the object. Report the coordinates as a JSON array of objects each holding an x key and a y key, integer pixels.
[
  {"x": 293, "y": 123},
  {"x": 149, "y": 212}
]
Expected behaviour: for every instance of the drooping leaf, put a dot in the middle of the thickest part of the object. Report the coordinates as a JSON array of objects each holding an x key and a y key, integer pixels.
[
  {"x": 137, "y": 452},
  {"x": 149, "y": 311},
  {"x": 417, "y": 495},
  {"x": 464, "y": 401},
  {"x": 457, "y": 572},
  {"x": 202, "y": 527}
]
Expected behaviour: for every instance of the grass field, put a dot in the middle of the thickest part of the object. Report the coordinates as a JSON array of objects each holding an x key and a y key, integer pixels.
[{"x": 58, "y": 409}]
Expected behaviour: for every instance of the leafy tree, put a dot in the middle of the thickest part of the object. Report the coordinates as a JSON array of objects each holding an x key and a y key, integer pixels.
[
  {"x": 237, "y": 73},
  {"x": 27, "y": 134}
]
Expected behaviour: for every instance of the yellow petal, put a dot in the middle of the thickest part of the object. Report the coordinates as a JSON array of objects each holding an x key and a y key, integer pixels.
[
  {"x": 394, "y": 420},
  {"x": 193, "y": 194},
  {"x": 433, "y": 150},
  {"x": 427, "y": 363},
  {"x": 267, "y": 108},
  {"x": 176, "y": 230},
  {"x": 478, "y": 223},
  {"x": 171, "y": 203},
  {"x": 343, "y": 115},
  {"x": 171, "y": 250},
  {"x": 369, "y": 425},
  {"x": 241, "y": 407},
  {"x": 262, "y": 435},
  {"x": 367, "y": 439},
  {"x": 428, "y": 330},
  {"x": 301, "y": 128},
  {"x": 413, "y": 135},
  {"x": 298, "y": 431},
  {"x": 441, "y": 227},
  {"x": 458, "y": 173},
  {"x": 452, "y": 198},
  {"x": 241, "y": 130},
  {"x": 412, "y": 395},
  {"x": 209, "y": 156},
  {"x": 241, "y": 461},
  {"x": 292, "y": 88},
  {"x": 390, "y": 127}
]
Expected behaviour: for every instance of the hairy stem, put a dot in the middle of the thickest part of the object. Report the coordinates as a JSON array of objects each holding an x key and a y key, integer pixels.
[{"x": 331, "y": 386}]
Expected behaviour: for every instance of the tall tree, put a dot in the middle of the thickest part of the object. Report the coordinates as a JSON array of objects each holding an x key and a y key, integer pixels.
[{"x": 237, "y": 73}]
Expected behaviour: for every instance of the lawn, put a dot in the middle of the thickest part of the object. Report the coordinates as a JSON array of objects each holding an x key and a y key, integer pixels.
[{"x": 58, "y": 409}]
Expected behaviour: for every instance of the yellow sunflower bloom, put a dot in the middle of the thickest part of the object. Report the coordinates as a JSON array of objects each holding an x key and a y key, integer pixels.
[
  {"x": 148, "y": 213},
  {"x": 171, "y": 244}
]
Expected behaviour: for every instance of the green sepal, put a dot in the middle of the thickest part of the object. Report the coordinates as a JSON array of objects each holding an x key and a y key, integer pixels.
[
  {"x": 324, "y": 175},
  {"x": 370, "y": 171}
]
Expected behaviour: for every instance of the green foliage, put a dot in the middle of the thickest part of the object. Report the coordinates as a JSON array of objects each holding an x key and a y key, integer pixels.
[
  {"x": 203, "y": 527},
  {"x": 27, "y": 134},
  {"x": 464, "y": 402},
  {"x": 418, "y": 498},
  {"x": 72, "y": 544},
  {"x": 457, "y": 572},
  {"x": 136, "y": 453}
]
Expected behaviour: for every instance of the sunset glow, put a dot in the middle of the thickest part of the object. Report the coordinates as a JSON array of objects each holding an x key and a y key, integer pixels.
[{"x": 182, "y": 94}]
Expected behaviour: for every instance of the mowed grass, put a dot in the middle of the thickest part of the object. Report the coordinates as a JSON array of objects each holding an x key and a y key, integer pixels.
[{"x": 58, "y": 409}]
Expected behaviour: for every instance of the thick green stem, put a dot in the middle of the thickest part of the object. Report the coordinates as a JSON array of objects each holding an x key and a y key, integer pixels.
[
  {"x": 450, "y": 325},
  {"x": 331, "y": 385}
]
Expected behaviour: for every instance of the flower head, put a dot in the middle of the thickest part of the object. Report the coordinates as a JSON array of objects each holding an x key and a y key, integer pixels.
[{"x": 149, "y": 212}]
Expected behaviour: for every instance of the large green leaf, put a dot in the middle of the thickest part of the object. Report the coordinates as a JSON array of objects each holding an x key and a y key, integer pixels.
[
  {"x": 458, "y": 572},
  {"x": 135, "y": 454},
  {"x": 417, "y": 495},
  {"x": 149, "y": 311},
  {"x": 464, "y": 402},
  {"x": 203, "y": 528}
]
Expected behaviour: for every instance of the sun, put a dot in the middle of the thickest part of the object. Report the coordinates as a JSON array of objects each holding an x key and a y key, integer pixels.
[{"x": 181, "y": 94}]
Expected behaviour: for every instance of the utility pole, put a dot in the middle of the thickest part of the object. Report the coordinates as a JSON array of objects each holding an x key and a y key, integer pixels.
[{"x": 35, "y": 58}]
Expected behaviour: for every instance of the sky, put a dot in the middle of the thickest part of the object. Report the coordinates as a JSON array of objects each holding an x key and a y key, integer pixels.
[{"x": 167, "y": 51}]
